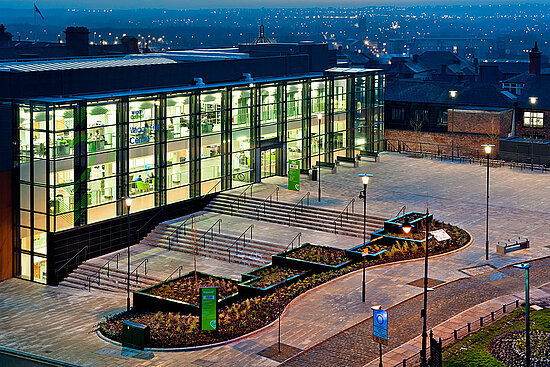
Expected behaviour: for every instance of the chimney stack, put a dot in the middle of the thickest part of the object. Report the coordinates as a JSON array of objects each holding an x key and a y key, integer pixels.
[
  {"x": 535, "y": 60},
  {"x": 76, "y": 38}
]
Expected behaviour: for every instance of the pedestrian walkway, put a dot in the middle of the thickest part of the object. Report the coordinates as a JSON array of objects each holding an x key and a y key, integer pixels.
[{"x": 330, "y": 323}]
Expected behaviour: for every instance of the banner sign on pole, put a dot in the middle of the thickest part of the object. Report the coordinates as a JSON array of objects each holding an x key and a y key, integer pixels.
[
  {"x": 209, "y": 308},
  {"x": 294, "y": 175},
  {"x": 380, "y": 326}
]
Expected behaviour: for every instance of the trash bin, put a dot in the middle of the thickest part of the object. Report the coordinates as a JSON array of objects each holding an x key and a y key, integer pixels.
[
  {"x": 314, "y": 174},
  {"x": 134, "y": 335}
]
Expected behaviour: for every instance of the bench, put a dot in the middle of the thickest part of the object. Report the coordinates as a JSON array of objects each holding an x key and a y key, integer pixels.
[
  {"x": 329, "y": 165},
  {"x": 505, "y": 246},
  {"x": 353, "y": 161},
  {"x": 364, "y": 153}
]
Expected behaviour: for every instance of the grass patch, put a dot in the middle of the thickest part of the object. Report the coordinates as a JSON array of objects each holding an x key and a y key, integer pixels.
[{"x": 474, "y": 350}]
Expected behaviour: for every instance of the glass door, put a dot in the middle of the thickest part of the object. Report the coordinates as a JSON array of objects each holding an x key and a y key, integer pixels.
[{"x": 269, "y": 162}]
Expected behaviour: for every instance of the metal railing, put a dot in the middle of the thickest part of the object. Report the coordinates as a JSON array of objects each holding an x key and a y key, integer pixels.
[
  {"x": 176, "y": 231},
  {"x": 74, "y": 257},
  {"x": 300, "y": 205},
  {"x": 96, "y": 277},
  {"x": 297, "y": 237},
  {"x": 242, "y": 195},
  {"x": 145, "y": 226},
  {"x": 270, "y": 199},
  {"x": 179, "y": 270},
  {"x": 523, "y": 161},
  {"x": 211, "y": 231},
  {"x": 236, "y": 243},
  {"x": 213, "y": 187},
  {"x": 459, "y": 333},
  {"x": 143, "y": 262},
  {"x": 345, "y": 212}
]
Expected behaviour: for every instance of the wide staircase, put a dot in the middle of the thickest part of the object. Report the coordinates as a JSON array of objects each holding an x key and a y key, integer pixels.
[
  {"x": 214, "y": 244},
  {"x": 299, "y": 214},
  {"x": 90, "y": 276}
]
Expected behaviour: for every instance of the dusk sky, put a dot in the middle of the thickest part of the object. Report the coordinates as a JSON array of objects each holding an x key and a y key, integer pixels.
[{"x": 189, "y": 4}]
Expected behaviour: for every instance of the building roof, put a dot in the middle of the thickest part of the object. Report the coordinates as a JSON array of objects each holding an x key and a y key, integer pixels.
[
  {"x": 429, "y": 92},
  {"x": 82, "y": 63},
  {"x": 536, "y": 86}
]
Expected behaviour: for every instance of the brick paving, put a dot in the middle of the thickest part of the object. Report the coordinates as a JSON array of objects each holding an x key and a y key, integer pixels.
[{"x": 56, "y": 323}]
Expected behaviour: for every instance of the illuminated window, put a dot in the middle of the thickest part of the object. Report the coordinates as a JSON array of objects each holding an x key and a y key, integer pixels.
[{"x": 533, "y": 119}]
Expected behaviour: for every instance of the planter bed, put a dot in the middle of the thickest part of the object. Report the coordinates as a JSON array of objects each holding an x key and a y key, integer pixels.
[
  {"x": 394, "y": 224},
  {"x": 182, "y": 295},
  {"x": 266, "y": 279},
  {"x": 374, "y": 246},
  {"x": 241, "y": 316},
  {"x": 315, "y": 257}
]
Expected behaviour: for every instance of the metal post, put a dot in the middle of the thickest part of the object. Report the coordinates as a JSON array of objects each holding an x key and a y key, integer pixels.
[
  {"x": 319, "y": 158},
  {"x": 128, "y": 280},
  {"x": 527, "y": 324},
  {"x": 453, "y": 131},
  {"x": 487, "y": 213},
  {"x": 423, "y": 358},
  {"x": 364, "y": 234},
  {"x": 380, "y": 361}
]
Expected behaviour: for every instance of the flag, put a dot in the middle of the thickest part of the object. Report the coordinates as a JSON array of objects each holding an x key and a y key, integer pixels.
[{"x": 36, "y": 10}]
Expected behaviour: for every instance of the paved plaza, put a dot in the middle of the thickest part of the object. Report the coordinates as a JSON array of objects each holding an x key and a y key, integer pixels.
[{"x": 58, "y": 323}]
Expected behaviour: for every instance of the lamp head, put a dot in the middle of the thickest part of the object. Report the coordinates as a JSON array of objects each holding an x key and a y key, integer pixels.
[
  {"x": 533, "y": 100},
  {"x": 376, "y": 308},
  {"x": 406, "y": 226},
  {"x": 128, "y": 202},
  {"x": 319, "y": 116},
  {"x": 365, "y": 178},
  {"x": 488, "y": 148},
  {"x": 522, "y": 266},
  {"x": 453, "y": 94}
]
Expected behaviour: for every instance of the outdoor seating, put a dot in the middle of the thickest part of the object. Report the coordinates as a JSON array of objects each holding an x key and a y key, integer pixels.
[{"x": 503, "y": 247}]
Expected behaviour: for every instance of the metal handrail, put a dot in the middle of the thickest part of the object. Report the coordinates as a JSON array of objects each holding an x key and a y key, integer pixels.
[
  {"x": 203, "y": 237},
  {"x": 341, "y": 215},
  {"x": 85, "y": 249},
  {"x": 235, "y": 244},
  {"x": 295, "y": 207},
  {"x": 149, "y": 221},
  {"x": 213, "y": 187},
  {"x": 243, "y": 194},
  {"x": 179, "y": 270},
  {"x": 270, "y": 198},
  {"x": 299, "y": 237},
  {"x": 176, "y": 231},
  {"x": 96, "y": 277},
  {"x": 402, "y": 210},
  {"x": 144, "y": 261}
]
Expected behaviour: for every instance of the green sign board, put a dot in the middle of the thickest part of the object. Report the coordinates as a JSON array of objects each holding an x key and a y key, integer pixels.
[
  {"x": 294, "y": 175},
  {"x": 209, "y": 308}
]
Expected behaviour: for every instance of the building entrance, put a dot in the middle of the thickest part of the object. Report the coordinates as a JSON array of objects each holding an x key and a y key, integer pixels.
[{"x": 268, "y": 162}]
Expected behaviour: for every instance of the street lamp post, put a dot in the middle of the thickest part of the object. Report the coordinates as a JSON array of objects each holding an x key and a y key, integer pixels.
[
  {"x": 128, "y": 202},
  {"x": 488, "y": 148},
  {"x": 533, "y": 101},
  {"x": 452, "y": 94},
  {"x": 319, "y": 118},
  {"x": 363, "y": 195},
  {"x": 527, "y": 325},
  {"x": 407, "y": 227}
]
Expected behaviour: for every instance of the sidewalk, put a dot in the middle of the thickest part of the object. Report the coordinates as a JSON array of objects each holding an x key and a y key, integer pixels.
[{"x": 329, "y": 324}]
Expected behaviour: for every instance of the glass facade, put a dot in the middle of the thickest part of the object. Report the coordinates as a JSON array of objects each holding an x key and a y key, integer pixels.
[{"x": 77, "y": 158}]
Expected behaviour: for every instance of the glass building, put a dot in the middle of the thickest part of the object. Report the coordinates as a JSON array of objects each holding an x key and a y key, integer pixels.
[{"x": 78, "y": 157}]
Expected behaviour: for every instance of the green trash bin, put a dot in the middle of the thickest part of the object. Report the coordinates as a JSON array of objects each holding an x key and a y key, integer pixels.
[{"x": 134, "y": 335}]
